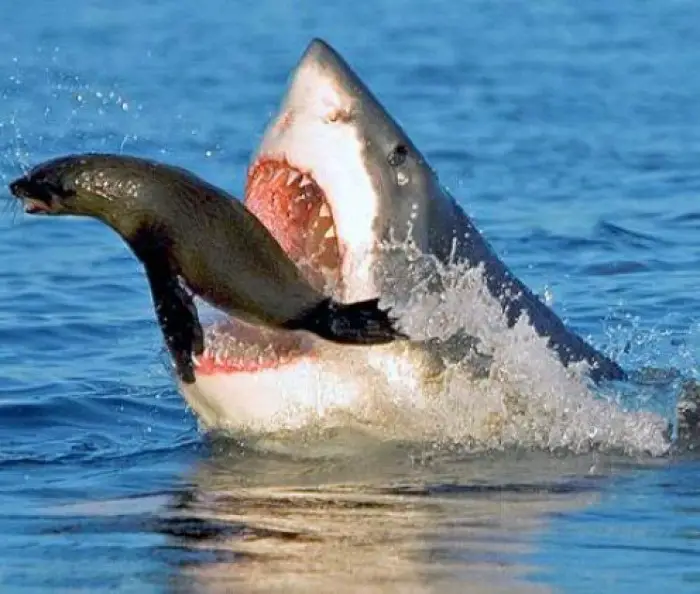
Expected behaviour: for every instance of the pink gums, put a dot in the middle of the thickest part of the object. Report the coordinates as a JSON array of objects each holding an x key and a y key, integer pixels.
[{"x": 243, "y": 348}]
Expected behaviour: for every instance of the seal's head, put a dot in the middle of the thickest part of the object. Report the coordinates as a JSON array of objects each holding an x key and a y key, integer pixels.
[
  {"x": 106, "y": 187},
  {"x": 46, "y": 190}
]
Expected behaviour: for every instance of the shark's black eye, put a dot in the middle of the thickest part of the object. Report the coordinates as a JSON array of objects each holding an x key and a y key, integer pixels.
[{"x": 398, "y": 155}]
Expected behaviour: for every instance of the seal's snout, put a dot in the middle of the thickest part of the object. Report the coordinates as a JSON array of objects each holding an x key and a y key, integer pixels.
[
  {"x": 35, "y": 198},
  {"x": 19, "y": 188}
]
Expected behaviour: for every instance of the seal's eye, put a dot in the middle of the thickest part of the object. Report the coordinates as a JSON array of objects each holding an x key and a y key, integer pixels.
[{"x": 398, "y": 155}]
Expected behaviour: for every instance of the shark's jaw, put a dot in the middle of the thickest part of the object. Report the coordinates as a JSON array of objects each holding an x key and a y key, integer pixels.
[{"x": 261, "y": 379}]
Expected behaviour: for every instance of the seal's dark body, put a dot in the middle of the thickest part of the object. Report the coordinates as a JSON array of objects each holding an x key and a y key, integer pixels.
[{"x": 193, "y": 237}]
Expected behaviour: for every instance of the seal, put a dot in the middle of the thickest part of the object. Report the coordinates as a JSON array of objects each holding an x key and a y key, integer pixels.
[{"x": 193, "y": 237}]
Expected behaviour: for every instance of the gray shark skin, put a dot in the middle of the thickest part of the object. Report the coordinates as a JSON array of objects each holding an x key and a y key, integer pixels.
[{"x": 381, "y": 188}]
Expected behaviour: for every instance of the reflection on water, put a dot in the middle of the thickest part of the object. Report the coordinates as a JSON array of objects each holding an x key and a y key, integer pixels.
[
  {"x": 289, "y": 516},
  {"x": 336, "y": 525}
]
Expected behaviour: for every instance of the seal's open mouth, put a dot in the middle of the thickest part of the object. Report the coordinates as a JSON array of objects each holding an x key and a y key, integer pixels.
[
  {"x": 34, "y": 198},
  {"x": 34, "y": 206},
  {"x": 296, "y": 211}
]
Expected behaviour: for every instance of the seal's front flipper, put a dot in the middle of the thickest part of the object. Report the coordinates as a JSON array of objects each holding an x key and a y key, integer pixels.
[
  {"x": 353, "y": 323},
  {"x": 177, "y": 316}
]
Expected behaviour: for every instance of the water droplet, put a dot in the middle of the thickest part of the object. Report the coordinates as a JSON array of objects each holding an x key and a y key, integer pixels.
[{"x": 548, "y": 296}]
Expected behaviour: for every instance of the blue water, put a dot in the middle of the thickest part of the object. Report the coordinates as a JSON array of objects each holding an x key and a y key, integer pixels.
[{"x": 569, "y": 130}]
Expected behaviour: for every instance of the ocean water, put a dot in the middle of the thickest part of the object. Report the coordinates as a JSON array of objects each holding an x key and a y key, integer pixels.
[{"x": 568, "y": 130}]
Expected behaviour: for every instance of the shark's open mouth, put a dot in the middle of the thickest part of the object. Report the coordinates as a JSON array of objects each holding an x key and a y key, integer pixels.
[
  {"x": 297, "y": 212},
  {"x": 233, "y": 346}
]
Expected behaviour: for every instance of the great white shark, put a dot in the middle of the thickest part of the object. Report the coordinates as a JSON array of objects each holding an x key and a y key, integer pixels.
[{"x": 333, "y": 179}]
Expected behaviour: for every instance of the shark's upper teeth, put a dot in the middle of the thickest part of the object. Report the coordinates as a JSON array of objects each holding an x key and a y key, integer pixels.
[
  {"x": 292, "y": 177},
  {"x": 324, "y": 211},
  {"x": 277, "y": 177},
  {"x": 330, "y": 234}
]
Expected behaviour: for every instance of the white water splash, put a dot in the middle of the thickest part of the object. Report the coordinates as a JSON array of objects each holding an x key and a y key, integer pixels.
[{"x": 527, "y": 399}]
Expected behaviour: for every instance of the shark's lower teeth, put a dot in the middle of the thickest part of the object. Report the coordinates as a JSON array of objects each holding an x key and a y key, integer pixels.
[{"x": 232, "y": 349}]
